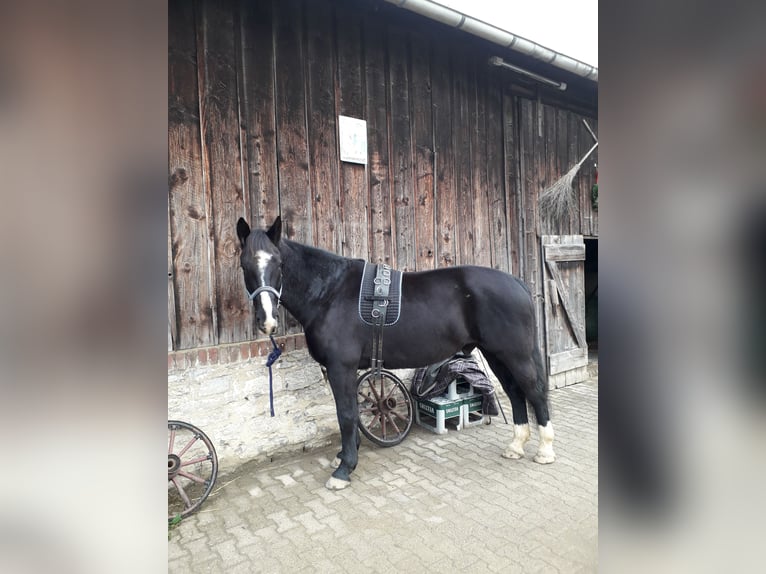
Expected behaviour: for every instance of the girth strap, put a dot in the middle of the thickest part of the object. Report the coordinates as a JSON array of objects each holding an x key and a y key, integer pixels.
[{"x": 380, "y": 301}]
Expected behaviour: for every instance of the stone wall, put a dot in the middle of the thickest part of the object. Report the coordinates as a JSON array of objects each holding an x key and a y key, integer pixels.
[{"x": 230, "y": 404}]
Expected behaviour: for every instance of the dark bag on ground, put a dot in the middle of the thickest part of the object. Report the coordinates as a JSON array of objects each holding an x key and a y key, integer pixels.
[{"x": 432, "y": 381}]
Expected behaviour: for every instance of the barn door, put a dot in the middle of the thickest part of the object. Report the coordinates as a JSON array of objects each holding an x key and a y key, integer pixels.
[{"x": 564, "y": 289}]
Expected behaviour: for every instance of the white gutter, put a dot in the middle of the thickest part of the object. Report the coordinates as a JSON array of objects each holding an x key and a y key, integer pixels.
[{"x": 461, "y": 21}]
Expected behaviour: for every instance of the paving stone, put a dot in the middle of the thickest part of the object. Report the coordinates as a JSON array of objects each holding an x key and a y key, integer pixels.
[{"x": 433, "y": 503}]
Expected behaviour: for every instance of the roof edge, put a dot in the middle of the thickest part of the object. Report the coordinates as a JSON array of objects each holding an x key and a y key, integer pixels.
[{"x": 479, "y": 28}]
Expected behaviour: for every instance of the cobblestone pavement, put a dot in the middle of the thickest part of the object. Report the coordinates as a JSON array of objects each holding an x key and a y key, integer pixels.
[{"x": 434, "y": 503}]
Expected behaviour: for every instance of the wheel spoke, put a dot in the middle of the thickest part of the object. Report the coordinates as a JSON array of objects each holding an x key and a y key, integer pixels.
[
  {"x": 375, "y": 419},
  {"x": 374, "y": 390},
  {"x": 403, "y": 419},
  {"x": 196, "y": 460},
  {"x": 391, "y": 420},
  {"x": 182, "y": 492},
  {"x": 188, "y": 446},
  {"x": 391, "y": 392},
  {"x": 172, "y": 440},
  {"x": 191, "y": 476}
]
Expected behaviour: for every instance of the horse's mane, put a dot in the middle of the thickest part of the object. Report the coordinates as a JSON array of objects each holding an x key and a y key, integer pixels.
[{"x": 318, "y": 252}]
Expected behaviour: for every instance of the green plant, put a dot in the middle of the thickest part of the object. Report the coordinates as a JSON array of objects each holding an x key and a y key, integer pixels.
[{"x": 173, "y": 522}]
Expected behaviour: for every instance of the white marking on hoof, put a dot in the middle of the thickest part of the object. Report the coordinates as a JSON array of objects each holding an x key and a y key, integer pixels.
[
  {"x": 336, "y": 483},
  {"x": 335, "y": 462},
  {"x": 515, "y": 450},
  {"x": 545, "y": 454}
]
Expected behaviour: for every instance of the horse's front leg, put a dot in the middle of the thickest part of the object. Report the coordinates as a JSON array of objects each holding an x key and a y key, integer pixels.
[{"x": 343, "y": 385}]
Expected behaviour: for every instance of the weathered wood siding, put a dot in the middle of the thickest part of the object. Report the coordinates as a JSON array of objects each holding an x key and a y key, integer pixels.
[{"x": 457, "y": 153}]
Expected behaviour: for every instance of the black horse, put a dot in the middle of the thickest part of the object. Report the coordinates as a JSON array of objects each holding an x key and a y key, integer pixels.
[{"x": 442, "y": 311}]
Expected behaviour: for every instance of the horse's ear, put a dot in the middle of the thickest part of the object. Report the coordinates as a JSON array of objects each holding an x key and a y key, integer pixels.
[
  {"x": 243, "y": 230},
  {"x": 275, "y": 231}
]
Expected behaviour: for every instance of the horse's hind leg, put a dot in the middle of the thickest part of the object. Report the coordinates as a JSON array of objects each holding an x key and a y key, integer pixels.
[
  {"x": 518, "y": 404},
  {"x": 342, "y": 383},
  {"x": 530, "y": 374}
]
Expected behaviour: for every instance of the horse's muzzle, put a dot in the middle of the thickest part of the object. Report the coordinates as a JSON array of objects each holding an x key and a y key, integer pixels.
[{"x": 268, "y": 327}]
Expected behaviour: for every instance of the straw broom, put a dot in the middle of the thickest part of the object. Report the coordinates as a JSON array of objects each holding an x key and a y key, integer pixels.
[{"x": 556, "y": 201}]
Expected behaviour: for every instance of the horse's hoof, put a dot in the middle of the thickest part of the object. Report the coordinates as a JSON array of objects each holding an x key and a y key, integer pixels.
[
  {"x": 512, "y": 454},
  {"x": 546, "y": 458},
  {"x": 336, "y": 483},
  {"x": 335, "y": 462}
]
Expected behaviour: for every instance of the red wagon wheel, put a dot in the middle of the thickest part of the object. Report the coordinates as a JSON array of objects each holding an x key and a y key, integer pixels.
[
  {"x": 192, "y": 469},
  {"x": 385, "y": 408}
]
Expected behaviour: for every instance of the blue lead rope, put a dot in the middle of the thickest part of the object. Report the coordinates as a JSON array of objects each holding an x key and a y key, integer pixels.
[{"x": 270, "y": 360}]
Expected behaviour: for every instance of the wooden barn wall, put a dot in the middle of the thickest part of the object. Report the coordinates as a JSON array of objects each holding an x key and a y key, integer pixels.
[
  {"x": 457, "y": 155},
  {"x": 551, "y": 142}
]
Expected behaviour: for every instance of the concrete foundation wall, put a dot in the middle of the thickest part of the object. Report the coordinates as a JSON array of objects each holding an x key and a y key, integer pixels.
[{"x": 230, "y": 404}]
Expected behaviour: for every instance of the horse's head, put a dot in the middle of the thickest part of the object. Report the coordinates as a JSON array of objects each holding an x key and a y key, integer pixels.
[{"x": 262, "y": 268}]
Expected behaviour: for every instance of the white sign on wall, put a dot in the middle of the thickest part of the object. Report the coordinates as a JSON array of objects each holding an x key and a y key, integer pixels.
[{"x": 353, "y": 139}]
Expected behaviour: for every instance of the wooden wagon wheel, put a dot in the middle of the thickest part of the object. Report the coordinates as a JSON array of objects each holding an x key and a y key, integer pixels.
[
  {"x": 192, "y": 469},
  {"x": 386, "y": 408}
]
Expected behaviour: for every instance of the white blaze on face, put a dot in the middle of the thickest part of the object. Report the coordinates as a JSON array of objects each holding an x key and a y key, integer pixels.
[{"x": 262, "y": 259}]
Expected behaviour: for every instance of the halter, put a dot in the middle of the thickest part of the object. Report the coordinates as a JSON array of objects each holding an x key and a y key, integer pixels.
[{"x": 267, "y": 289}]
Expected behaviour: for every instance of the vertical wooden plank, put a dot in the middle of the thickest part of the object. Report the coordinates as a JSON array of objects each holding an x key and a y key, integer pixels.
[
  {"x": 482, "y": 251},
  {"x": 292, "y": 147},
  {"x": 513, "y": 181},
  {"x": 531, "y": 147},
  {"x": 527, "y": 118},
  {"x": 354, "y": 194},
  {"x": 220, "y": 134},
  {"x": 549, "y": 161},
  {"x": 462, "y": 145},
  {"x": 290, "y": 112},
  {"x": 563, "y": 164},
  {"x": 542, "y": 179},
  {"x": 422, "y": 130},
  {"x": 572, "y": 158},
  {"x": 187, "y": 205},
  {"x": 377, "y": 110},
  {"x": 401, "y": 149},
  {"x": 576, "y": 129},
  {"x": 256, "y": 96},
  {"x": 497, "y": 196},
  {"x": 172, "y": 316},
  {"x": 322, "y": 127},
  {"x": 446, "y": 198}
]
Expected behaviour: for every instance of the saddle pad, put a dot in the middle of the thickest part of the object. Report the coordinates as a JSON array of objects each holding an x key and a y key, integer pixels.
[{"x": 367, "y": 290}]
